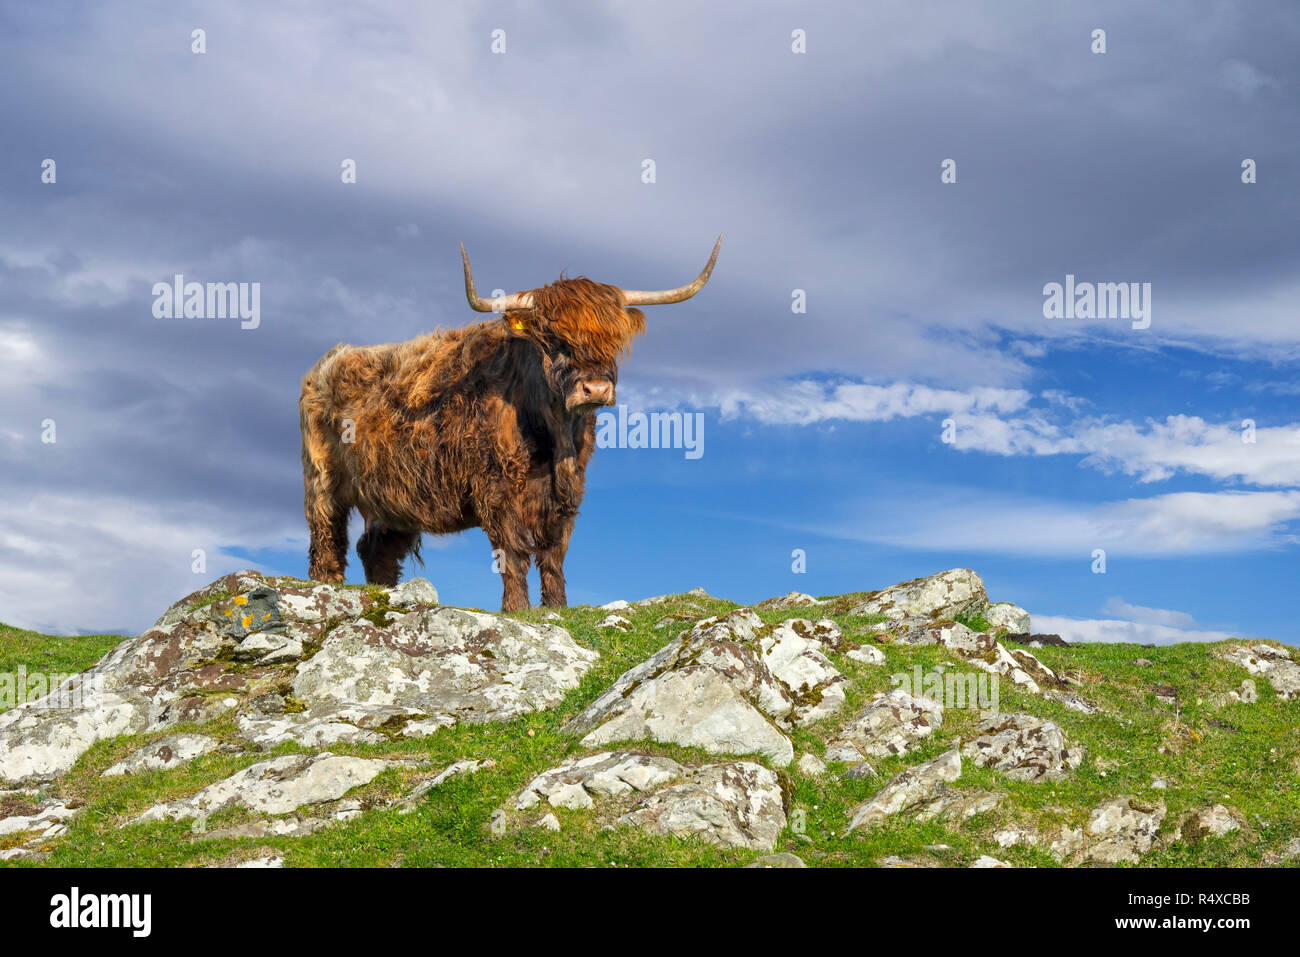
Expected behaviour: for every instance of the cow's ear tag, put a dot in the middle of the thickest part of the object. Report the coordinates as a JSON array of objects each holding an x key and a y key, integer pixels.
[{"x": 517, "y": 324}]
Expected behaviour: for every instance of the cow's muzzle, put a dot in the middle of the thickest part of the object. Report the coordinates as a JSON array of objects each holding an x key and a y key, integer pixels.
[{"x": 590, "y": 394}]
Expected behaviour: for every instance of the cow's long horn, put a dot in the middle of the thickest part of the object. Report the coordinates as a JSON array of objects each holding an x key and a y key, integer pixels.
[
  {"x": 516, "y": 300},
  {"x": 634, "y": 297}
]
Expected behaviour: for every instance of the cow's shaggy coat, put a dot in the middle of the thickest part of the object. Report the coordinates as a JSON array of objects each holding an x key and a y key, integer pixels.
[{"x": 463, "y": 428}]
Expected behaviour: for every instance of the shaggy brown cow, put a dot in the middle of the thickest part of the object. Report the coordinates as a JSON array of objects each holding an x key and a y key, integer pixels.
[{"x": 491, "y": 425}]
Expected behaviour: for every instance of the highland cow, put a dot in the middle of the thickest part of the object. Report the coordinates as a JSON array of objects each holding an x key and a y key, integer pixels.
[{"x": 489, "y": 426}]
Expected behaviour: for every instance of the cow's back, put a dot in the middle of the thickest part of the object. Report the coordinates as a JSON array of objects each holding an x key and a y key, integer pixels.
[{"x": 396, "y": 424}]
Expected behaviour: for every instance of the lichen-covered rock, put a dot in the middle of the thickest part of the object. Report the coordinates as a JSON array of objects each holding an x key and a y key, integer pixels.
[
  {"x": 916, "y": 785},
  {"x": 778, "y": 860},
  {"x": 1214, "y": 821},
  {"x": 738, "y": 804},
  {"x": 169, "y": 752},
  {"x": 1023, "y": 747},
  {"x": 792, "y": 599},
  {"x": 984, "y": 861},
  {"x": 577, "y": 783},
  {"x": 236, "y": 583},
  {"x": 28, "y": 824},
  {"x": 867, "y": 654},
  {"x": 1121, "y": 830},
  {"x": 1003, "y": 614},
  {"x": 1007, "y": 664},
  {"x": 427, "y": 670},
  {"x": 945, "y": 595},
  {"x": 615, "y": 622},
  {"x": 957, "y": 806},
  {"x": 227, "y": 640},
  {"x": 793, "y": 653},
  {"x": 927, "y": 631},
  {"x": 1036, "y": 640},
  {"x": 275, "y": 786},
  {"x": 731, "y": 685},
  {"x": 1270, "y": 662},
  {"x": 893, "y": 723}
]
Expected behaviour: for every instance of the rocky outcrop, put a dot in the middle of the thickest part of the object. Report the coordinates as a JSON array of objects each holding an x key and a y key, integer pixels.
[
  {"x": 578, "y": 783},
  {"x": 893, "y": 723},
  {"x": 300, "y": 661},
  {"x": 957, "y": 806},
  {"x": 169, "y": 752},
  {"x": 1121, "y": 830},
  {"x": 730, "y": 685},
  {"x": 794, "y": 599},
  {"x": 27, "y": 824},
  {"x": 914, "y": 786},
  {"x": 737, "y": 804},
  {"x": 927, "y": 631},
  {"x": 740, "y": 804},
  {"x": 276, "y": 786},
  {"x": 945, "y": 595},
  {"x": 1270, "y": 662},
  {"x": 428, "y": 670},
  {"x": 1023, "y": 747},
  {"x": 1214, "y": 821},
  {"x": 1005, "y": 615}
]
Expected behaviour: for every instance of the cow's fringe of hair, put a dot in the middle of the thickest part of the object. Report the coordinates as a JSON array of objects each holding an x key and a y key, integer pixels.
[{"x": 589, "y": 317}]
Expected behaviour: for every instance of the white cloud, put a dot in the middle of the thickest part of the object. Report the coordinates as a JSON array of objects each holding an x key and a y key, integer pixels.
[
  {"x": 1180, "y": 523},
  {"x": 1004, "y": 422},
  {"x": 1114, "y": 631},
  {"x": 1148, "y": 616},
  {"x": 805, "y": 401},
  {"x": 70, "y": 564}
]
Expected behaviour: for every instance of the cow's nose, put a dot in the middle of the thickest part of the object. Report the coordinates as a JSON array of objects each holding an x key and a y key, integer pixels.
[{"x": 597, "y": 390}]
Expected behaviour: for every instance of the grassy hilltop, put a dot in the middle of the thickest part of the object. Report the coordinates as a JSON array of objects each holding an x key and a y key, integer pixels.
[{"x": 1243, "y": 755}]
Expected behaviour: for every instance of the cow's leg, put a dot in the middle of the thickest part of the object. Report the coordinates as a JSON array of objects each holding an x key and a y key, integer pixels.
[
  {"x": 550, "y": 565},
  {"x": 513, "y": 564},
  {"x": 327, "y": 521},
  {"x": 381, "y": 551},
  {"x": 325, "y": 502}
]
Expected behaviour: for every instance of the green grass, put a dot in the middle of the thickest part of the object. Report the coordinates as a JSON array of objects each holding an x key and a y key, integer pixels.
[
  {"x": 1246, "y": 756},
  {"x": 51, "y": 653}
]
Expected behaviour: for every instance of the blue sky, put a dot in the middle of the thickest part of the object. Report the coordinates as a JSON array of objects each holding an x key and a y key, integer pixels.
[{"x": 823, "y": 430}]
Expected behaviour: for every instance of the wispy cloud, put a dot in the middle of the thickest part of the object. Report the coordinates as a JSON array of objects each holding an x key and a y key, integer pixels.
[
  {"x": 1014, "y": 422},
  {"x": 1178, "y": 523}
]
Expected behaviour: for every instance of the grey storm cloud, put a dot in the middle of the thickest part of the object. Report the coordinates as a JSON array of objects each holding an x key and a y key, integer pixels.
[{"x": 821, "y": 169}]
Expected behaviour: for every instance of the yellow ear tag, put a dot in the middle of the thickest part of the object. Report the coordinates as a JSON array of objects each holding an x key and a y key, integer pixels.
[{"x": 517, "y": 324}]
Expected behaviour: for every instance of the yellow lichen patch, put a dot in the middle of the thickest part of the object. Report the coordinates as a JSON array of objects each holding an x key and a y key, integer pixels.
[
  {"x": 247, "y": 621},
  {"x": 229, "y": 612},
  {"x": 241, "y": 599},
  {"x": 266, "y": 616}
]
